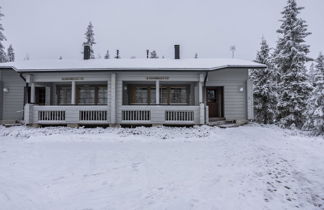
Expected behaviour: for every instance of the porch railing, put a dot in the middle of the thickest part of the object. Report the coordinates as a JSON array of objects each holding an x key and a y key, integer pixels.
[
  {"x": 69, "y": 114},
  {"x": 159, "y": 114},
  {"x": 173, "y": 115}
]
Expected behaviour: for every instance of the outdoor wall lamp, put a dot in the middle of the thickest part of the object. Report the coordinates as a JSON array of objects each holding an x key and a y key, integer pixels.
[
  {"x": 6, "y": 90},
  {"x": 241, "y": 89}
]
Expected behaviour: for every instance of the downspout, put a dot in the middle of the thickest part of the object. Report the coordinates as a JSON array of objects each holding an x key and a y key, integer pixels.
[
  {"x": 204, "y": 98},
  {"x": 26, "y": 91}
]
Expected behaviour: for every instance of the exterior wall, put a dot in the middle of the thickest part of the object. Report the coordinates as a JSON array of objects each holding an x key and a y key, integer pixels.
[
  {"x": 12, "y": 103},
  {"x": 235, "y": 102}
]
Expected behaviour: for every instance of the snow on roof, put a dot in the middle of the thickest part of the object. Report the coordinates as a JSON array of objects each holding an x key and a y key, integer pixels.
[{"x": 129, "y": 64}]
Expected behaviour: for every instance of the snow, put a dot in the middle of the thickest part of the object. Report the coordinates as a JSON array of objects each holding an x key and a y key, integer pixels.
[
  {"x": 129, "y": 64},
  {"x": 249, "y": 167}
]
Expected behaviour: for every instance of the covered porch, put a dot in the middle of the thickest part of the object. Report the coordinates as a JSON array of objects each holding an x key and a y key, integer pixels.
[{"x": 111, "y": 100}]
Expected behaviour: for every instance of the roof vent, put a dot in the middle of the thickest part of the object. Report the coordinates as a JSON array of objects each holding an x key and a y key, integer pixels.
[{"x": 86, "y": 51}]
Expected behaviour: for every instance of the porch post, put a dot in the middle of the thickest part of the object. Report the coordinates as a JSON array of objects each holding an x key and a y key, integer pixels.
[
  {"x": 113, "y": 99},
  {"x": 32, "y": 93},
  {"x": 201, "y": 103},
  {"x": 157, "y": 91},
  {"x": 73, "y": 93}
]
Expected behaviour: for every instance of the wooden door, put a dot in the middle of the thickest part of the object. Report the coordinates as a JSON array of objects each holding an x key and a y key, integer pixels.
[{"x": 215, "y": 102}]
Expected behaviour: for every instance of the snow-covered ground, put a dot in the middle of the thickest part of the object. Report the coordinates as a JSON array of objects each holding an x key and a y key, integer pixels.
[{"x": 250, "y": 167}]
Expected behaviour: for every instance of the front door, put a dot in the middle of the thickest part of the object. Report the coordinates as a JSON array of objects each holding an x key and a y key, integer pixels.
[{"x": 215, "y": 102}]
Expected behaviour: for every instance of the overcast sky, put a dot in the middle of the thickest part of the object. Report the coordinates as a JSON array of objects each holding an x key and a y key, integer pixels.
[{"x": 47, "y": 29}]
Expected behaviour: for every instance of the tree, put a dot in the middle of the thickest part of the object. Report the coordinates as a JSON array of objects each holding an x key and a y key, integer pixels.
[
  {"x": 107, "y": 56},
  {"x": 3, "y": 56},
  {"x": 264, "y": 87},
  {"x": 311, "y": 74},
  {"x": 196, "y": 55},
  {"x": 290, "y": 58},
  {"x": 315, "y": 108},
  {"x": 89, "y": 35},
  {"x": 11, "y": 54},
  {"x": 154, "y": 54}
]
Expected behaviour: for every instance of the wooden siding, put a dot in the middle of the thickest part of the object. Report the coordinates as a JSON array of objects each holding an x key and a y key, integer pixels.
[
  {"x": 235, "y": 103},
  {"x": 13, "y": 101}
]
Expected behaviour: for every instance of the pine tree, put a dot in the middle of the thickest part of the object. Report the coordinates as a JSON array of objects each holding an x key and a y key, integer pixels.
[
  {"x": 315, "y": 108},
  {"x": 89, "y": 35},
  {"x": 311, "y": 74},
  {"x": 264, "y": 90},
  {"x": 3, "y": 56},
  {"x": 107, "y": 56},
  {"x": 290, "y": 58},
  {"x": 154, "y": 54},
  {"x": 11, "y": 54}
]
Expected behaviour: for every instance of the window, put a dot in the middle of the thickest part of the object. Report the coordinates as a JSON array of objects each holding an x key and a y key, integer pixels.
[
  {"x": 174, "y": 94},
  {"x": 141, "y": 94},
  {"x": 91, "y": 94},
  {"x": 63, "y": 94},
  {"x": 146, "y": 94},
  {"x": 85, "y": 94}
]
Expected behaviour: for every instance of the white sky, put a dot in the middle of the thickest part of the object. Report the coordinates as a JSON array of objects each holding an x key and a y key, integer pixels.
[{"x": 47, "y": 29}]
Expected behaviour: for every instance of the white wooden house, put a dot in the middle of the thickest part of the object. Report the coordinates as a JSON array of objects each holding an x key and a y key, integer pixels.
[{"x": 126, "y": 91}]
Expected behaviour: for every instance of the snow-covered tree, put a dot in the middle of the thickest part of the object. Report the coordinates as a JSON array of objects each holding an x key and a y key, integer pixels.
[
  {"x": 154, "y": 54},
  {"x": 311, "y": 74},
  {"x": 196, "y": 55},
  {"x": 3, "y": 56},
  {"x": 107, "y": 56},
  {"x": 290, "y": 58},
  {"x": 11, "y": 54},
  {"x": 264, "y": 87},
  {"x": 89, "y": 35},
  {"x": 315, "y": 108}
]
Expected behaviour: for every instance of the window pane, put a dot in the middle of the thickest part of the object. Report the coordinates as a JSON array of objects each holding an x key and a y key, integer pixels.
[
  {"x": 141, "y": 95},
  {"x": 153, "y": 96},
  {"x": 164, "y": 95},
  {"x": 63, "y": 95},
  {"x": 86, "y": 94},
  {"x": 102, "y": 95},
  {"x": 178, "y": 95}
]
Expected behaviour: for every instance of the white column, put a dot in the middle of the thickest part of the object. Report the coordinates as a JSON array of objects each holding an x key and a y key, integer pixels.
[
  {"x": 32, "y": 93},
  {"x": 113, "y": 99},
  {"x": 73, "y": 92},
  {"x": 200, "y": 92},
  {"x": 157, "y": 91},
  {"x": 201, "y": 103}
]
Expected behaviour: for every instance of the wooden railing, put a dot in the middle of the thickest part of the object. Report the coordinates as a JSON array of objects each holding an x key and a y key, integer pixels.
[
  {"x": 159, "y": 114},
  {"x": 187, "y": 116}
]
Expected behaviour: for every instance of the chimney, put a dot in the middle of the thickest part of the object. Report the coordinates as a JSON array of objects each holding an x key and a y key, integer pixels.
[
  {"x": 86, "y": 51},
  {"x": 176, "y": 51}
]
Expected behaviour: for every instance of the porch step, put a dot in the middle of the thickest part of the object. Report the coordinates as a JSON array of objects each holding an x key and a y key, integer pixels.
[
  {"x": 227, "y": 123},
  {"x": 8, "y": 125},
  {"x": 215, "y": 119}
]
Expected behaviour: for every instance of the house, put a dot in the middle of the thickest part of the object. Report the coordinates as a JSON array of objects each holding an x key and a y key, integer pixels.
[{"x": 126, "y": 91}]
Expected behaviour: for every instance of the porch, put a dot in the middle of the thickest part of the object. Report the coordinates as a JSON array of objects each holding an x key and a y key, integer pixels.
[{"x": 112, "y": 101}]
